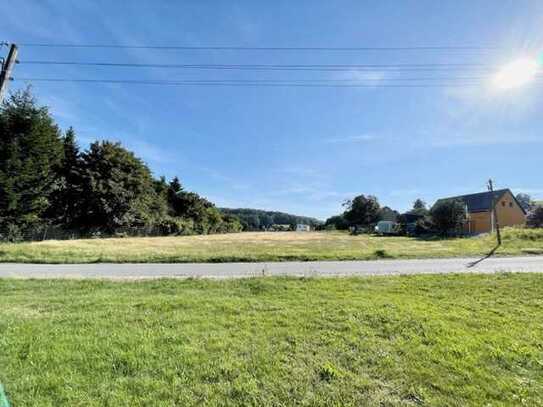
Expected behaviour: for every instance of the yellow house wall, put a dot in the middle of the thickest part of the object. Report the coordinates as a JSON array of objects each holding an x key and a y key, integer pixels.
[
  {"x": 507, "y": 215},
  {"x": 481, "y": 222}
]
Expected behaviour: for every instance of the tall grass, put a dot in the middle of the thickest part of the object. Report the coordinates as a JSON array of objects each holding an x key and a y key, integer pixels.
[{"x": 249, "y": 247}]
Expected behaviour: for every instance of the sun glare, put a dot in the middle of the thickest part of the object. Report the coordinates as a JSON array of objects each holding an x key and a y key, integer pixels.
[{"x": 515, "y": 74}]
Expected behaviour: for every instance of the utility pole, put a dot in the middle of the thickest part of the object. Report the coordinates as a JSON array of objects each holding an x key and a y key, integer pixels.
[
  {"x": 7, "y": 67},
  {"x": 494, "y": 212}
]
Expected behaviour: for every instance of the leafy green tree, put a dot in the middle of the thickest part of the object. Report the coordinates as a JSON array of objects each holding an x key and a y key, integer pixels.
[
  {"x": 191, "y": 205},
  {"x": 535, "y": 217},
  {"x": 118, "y": 189},
  {"x": 253, "y": 222},
  {"x": 448, "y": 216},
  {"x": 230, "y": 224},
  {"x": 266, "y": 219},
  {"x": 525, "y": 201},
  {"x": 389, "y": 214},
  {"x": 30, "y": 154},
  {"x": 161, "y": 187},
  {"x": 419, "y": 208},
  {"x": 362, "y": 211},
  {"x": 336, "y": 222}
]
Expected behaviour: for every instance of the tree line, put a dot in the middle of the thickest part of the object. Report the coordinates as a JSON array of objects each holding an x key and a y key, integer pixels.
[
  {"x": 446, "y": 217},
  {"x": 362, "y": 213},
  {"x": 46, "y": 181},
  {"x": 256, "y": 219}
]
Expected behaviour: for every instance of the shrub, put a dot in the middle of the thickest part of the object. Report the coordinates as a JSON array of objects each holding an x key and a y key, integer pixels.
[
  {"x": 337, "y": 222},
  {"x": 12, "y": 233},
  {"x": 535, "y": 217},
  {"x": 175, "y": 226}
]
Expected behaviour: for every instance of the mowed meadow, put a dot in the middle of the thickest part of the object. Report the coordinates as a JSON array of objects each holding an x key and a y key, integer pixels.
[
  {"x": 448, "y": 340},
  {"x": 267, "y": 246}
]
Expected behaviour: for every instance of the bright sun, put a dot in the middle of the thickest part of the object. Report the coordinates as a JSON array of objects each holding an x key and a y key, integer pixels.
[{"x": 516, "y": 73}]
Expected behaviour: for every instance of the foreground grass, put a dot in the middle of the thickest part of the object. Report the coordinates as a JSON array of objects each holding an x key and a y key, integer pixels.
[
  {"x": 266, "y": 247},
  {"x": 455, "y": 340}
]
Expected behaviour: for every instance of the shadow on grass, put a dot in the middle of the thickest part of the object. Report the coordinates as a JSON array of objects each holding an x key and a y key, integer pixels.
[{"x": 490, "y": 254}]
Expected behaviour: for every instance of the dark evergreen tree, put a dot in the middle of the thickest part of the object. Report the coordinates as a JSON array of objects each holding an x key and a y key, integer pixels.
[
  {"x": 68, "y": 199},
  {"x": 175, "y": 185},
  {"x": 419, "y": 208},
  {"x": 30, "y": 155},
  {"x": 419, "y": 204},
  {"x": 175, "y": 201}
]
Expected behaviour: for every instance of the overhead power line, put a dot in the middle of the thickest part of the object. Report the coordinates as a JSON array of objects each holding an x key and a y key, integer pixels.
[
  {"x": 296, "y": 67},
  {"x": 454, "y": 78},
  {"x": 254, "y": 83},
  {"x": 272, "y": 48}
]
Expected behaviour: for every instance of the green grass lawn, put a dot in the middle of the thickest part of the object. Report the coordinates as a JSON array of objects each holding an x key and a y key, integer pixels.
[
  {"x": 449, "y": 340},
  {"x": 266, "y": 247}
]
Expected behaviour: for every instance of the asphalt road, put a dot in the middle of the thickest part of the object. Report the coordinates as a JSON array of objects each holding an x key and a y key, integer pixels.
[{"x": 240, "y": 270}]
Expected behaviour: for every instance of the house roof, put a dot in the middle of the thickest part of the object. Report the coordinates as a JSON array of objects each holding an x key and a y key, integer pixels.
[{"x": 480, "y": 202}]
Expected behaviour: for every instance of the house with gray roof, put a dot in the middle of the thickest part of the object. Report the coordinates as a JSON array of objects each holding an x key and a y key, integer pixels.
[{"x": 481, "y": 218}]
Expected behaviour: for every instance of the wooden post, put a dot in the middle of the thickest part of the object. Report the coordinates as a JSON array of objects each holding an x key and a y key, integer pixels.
[
  {"x": 494, "y": 212},
  {"x": 7, "y": 67}
]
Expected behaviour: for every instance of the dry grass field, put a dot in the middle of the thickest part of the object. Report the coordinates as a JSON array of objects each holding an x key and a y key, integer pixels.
[{"x": 278, "y": 246}]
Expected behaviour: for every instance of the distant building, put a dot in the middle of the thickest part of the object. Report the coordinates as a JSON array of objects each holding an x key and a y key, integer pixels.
[
  {"x": 480, "y": 216},
  {"x": 303, "y": 228},
  {"x": 386, "y": 227}
]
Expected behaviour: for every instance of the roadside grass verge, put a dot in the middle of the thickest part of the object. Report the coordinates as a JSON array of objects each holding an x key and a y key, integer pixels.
[
  {"x": 448, "y": 340},
  {"x": 252, "y": 247}
]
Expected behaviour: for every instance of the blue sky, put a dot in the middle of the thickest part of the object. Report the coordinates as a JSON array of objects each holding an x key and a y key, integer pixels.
[{"x": 300, "y": 150}]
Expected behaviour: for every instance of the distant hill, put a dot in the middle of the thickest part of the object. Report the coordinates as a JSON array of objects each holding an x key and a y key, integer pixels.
[{"x": 257, "y": 219}]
